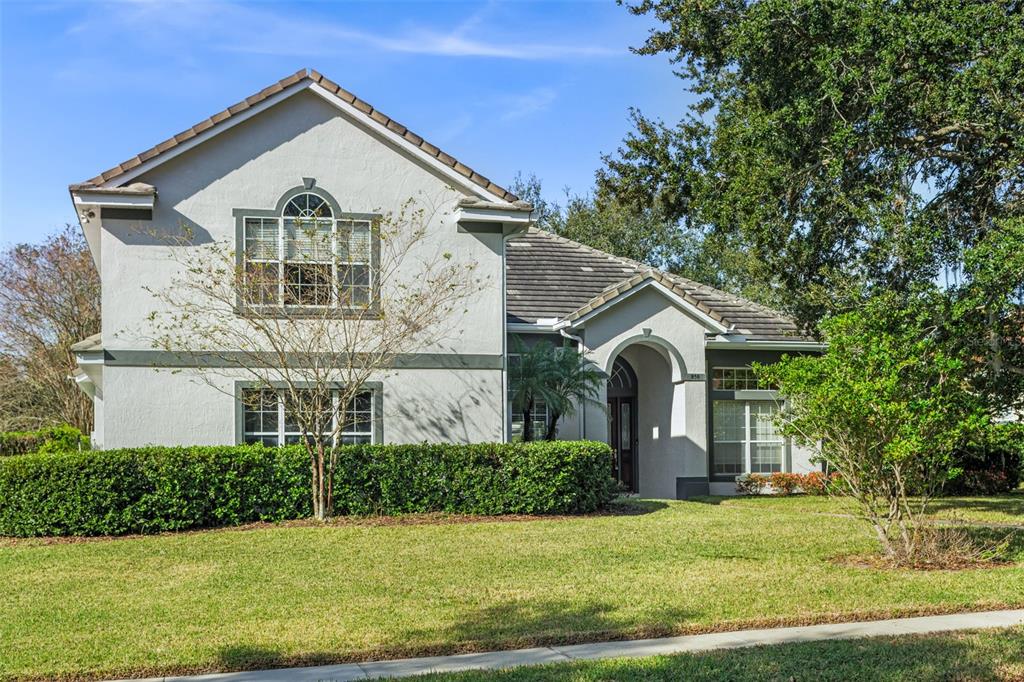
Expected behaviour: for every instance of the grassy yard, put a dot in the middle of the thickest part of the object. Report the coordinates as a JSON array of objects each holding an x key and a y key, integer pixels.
[
  {"x": 299, "y": 594},
  {"x": 968, "y": 656}
]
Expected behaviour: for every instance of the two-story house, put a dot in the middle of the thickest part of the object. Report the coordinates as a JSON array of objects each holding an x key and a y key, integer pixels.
[{"x": 682, "y": 408}]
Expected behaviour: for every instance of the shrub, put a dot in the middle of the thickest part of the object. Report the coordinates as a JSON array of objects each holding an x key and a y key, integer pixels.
[
  {"x": 751, "y": 484},
  {"x": 63, "y": 438},
  {"x": 784, "y": 483},
  {"x": 781, "y": 483},
  {"x": 992, "y": 464},
  {"x": 817, "y": 483},
  {"x": 155, "y": 489}
]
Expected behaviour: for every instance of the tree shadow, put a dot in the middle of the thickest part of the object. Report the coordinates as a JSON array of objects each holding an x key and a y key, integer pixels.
[
  {"x": 514, "y": 624},
  {"x": 1011, "y": 504},
  {"x": 629, "y": 506},
  {"x": 962, "y": 656}
]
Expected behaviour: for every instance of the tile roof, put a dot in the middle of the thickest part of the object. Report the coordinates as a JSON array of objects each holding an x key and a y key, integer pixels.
[
  {"x": 299, "y": 76},
  {"x": 548, "y": 276}
]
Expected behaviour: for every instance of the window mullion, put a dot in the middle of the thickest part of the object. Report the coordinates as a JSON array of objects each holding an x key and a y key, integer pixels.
[
  {"x": 280, "y": 261},
  {"x": 280, "y": 417},
  {"x": 746, "y": 445}
]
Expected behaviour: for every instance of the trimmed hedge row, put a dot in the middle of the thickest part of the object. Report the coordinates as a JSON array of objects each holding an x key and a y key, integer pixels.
[
  {"x": 156, "y": 489},
  {"x": 61, "y": 438}
]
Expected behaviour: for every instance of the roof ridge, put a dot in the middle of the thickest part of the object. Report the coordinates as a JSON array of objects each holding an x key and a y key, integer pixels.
[{"x": 318, "y": 79}]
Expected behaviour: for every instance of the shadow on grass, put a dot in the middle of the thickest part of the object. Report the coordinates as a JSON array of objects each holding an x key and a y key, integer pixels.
[
  {"x": 1011, "y": 504},
  {"x": 634, "y": 506},
  {"x": 500, "y": 626},
  {"x": 985, "y": 656},
  {"x": 516, "y": 624}
]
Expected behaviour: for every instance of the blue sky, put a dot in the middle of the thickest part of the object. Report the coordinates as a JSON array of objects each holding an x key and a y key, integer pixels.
[{"x": 541, "y": 88}]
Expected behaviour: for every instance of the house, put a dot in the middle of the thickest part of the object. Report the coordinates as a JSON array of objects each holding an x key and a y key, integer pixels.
[{"x": 685, "y": 413}]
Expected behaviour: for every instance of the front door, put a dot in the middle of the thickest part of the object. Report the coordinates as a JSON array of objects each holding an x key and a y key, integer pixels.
[{"x": 622, "y": 438}]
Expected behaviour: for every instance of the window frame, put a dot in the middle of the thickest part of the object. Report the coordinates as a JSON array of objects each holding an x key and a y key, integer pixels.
[
  {"x": 539, "y": 407},
  {"x": 748, "y": 441},
  {"x": 748, "y": 374},
  {"x": 338, "y": 217},
  {"x": 373, "y": 388}
]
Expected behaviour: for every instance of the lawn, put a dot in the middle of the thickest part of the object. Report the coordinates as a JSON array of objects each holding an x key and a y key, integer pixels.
[
  {"x": 300, "y": 594},
  {"x": 985, "y": 655}
]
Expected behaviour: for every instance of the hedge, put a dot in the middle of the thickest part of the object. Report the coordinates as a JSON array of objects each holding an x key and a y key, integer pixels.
[
  {"x": 157, "y": 489},
  {"x": 993, "y": 464},
  {"x": 61, "y": 438}
]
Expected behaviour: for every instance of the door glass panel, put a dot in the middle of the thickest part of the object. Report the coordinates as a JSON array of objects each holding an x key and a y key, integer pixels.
[{"x": 624, "y": 422}]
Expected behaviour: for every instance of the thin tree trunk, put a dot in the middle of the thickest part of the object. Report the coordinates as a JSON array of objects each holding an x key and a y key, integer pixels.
[
  {"x": 528, "y": 421},
  {"x": 552, "y": 425}
]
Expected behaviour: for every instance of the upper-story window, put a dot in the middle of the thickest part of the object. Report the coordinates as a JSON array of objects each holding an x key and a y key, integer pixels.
[{"x": 308, "y": 256}]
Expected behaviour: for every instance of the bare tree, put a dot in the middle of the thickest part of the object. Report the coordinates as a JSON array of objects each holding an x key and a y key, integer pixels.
[
  {"x": 49, "y": 299},
  {"x": 308, "y": 310}
]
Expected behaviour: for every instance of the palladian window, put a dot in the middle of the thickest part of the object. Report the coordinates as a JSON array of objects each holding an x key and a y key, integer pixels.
[{"x": 308, "y": 257}]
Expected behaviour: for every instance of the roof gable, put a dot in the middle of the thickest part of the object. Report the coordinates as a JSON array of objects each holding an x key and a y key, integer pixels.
[{"x": 286, "y": 87}]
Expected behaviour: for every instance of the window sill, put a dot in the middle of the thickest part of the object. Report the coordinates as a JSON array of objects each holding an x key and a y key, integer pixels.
[{"x": 311, "y": 313}]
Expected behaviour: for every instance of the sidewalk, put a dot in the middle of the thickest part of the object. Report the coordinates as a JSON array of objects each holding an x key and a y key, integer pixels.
[{"x": 623, "y": 649}]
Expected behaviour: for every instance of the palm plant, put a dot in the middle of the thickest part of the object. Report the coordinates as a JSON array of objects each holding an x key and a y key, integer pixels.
[
  {"x": 529, "y": 379},
  {"x": 574, "y": 381},
  {"x": 561, "y": 377}
]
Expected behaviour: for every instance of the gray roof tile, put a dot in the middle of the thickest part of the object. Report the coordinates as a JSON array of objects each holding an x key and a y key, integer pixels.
[{"x": 548, "y": 276}]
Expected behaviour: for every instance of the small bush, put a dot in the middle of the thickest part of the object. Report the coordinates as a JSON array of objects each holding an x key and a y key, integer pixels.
[
  {"x": 751, "y": 484},
  {"x": 785, "y": 484},
  {"x": 817, "y": 483},
  {"x": 155, "y": 489},
  {"x": 781, "y": 483},
  {"x": 991, "y": 465},
  {"x": 63, "y": 438}
]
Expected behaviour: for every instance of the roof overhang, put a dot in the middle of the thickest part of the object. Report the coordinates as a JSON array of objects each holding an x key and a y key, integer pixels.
[
  {"x": 681, "y": 303},
  {"x": 484, "y": 217},
  {"x": 137, "y": 195},
  {"x": 738, "y": 342}
]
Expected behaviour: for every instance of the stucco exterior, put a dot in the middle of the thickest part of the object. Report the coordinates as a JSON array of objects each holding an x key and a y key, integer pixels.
[{"x": 453, "y": 389}]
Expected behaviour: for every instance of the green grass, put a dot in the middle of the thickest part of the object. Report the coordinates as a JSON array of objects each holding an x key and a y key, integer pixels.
[
  {"x": 985, "y": 655},
  {"x": 285, "y": 595}
]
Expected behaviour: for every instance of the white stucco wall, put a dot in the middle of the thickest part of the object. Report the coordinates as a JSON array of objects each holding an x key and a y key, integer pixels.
[
  {"x": 151, "y": 406},
  {"x": 250, "y": 166}
]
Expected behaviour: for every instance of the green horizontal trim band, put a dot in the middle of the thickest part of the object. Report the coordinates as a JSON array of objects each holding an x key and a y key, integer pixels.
[{"x": 226, "y": 360}]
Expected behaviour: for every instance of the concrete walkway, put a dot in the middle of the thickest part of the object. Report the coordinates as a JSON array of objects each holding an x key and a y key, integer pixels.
[{"x": 623, "y": 649}]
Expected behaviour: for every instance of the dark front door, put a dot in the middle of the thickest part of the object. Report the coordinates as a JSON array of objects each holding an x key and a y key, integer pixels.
[{"x": 622, "y": 437}]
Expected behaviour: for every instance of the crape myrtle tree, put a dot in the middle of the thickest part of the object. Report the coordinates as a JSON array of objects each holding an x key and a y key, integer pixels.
[
  {"x": 849, "y": 146},
  {"x": 49, "y": 300},
  {"x": 315, "y": 324},
  {"x": 886, "y": 405}
]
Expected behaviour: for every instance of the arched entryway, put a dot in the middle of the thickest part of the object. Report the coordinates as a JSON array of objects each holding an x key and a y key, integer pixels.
[{"x": 622, "y": 421}]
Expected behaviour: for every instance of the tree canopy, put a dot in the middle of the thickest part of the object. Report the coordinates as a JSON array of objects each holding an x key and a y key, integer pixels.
[{"x": 848, "y": 146}]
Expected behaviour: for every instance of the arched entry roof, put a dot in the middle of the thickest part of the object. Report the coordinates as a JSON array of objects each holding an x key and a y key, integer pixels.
[{"x": 663, "y": 347}]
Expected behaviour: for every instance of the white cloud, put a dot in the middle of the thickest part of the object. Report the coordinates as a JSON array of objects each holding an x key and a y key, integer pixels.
[{"x": 257, "y": 30}]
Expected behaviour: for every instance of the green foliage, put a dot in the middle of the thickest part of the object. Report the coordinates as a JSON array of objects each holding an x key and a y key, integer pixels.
[
  {"x": 63, "y": 438},
  {"x": 156, "y": 489},
  {"x": 887, "y": 405},
  {"x": 846, "y": 145},
  {"x": 559, "y": 375},
  {"x": 991, "y": 463}
]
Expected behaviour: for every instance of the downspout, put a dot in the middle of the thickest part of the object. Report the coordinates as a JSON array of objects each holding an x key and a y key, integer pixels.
[{"x": 583, "y": 350}]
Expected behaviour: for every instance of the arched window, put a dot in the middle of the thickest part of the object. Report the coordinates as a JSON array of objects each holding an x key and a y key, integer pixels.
[
  {"x": 622, "y": 381},
  {"x": 307, "y": 255}
]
